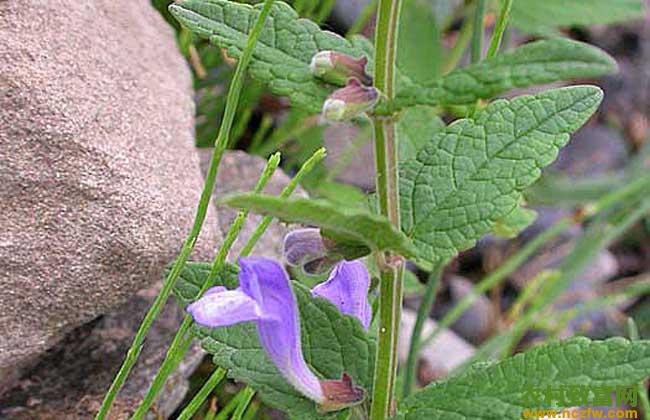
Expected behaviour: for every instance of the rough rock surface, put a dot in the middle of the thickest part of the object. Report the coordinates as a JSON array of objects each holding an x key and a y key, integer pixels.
[
  {"x": 99, "y": 174},
  {"x": 479, "y": 321},
  {"x": 69, "y": 382},
  {"x": 239, "y": 172},
  {"x": 593, "y": 150}
]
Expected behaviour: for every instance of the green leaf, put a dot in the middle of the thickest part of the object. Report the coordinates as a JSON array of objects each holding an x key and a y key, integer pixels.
[
  {"x": 419, "y": 50},
  {"x": 287, "y": 44},
  {"x": 338, "y": 193},
  {"x": 333, "y": 343},
  {"x": 282, "y": 55},
  {"x": 193, "y": 275},
  {"x": 533, "y": 15},
  {"x": 352, "y": 224},
  {"x": 532, "y": 64},
  {"x": 514, "y": 222},
  {"x": 415, "y": 127},
  {"x": 498, "y": 391},
  {"x": 471, "y": 174}
]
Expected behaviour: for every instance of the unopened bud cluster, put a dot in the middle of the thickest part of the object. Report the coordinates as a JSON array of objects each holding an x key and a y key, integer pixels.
[{"x": 357, "y": 96}]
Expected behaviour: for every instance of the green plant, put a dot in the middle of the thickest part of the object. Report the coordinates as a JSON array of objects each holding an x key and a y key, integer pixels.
[{"x": 439, "y": 189}]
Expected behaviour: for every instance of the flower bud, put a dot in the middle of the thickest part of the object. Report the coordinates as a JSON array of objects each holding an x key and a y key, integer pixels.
[
  {"x": 350, "y": 101},
  {"x": 336, "y": 68},
  {"x": 306, "y": 248}
]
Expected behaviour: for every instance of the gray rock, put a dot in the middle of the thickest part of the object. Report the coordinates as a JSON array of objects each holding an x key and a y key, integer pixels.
[
  {"x": 593, "y": 150},
  {"x": 100, "y": 179},
  {"x": 447, "y": 352},
  {"x": 239, "y": 172},
  {"x": 70, "y": 381},
  {"x": 599, "y": 322},
  {"x": 479, "y": 321},
  {"x": 603, "y": 267}
]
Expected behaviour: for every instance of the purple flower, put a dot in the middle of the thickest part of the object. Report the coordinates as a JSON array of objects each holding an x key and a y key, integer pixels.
[
  {"x": 265, "y": 297},
  {"x": 347, "y": 288}
]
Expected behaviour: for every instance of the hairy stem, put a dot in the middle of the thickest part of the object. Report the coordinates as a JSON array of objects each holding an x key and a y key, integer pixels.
[
  {"x": 390, "y": 289},
  {"x": 201, "y": 212}
]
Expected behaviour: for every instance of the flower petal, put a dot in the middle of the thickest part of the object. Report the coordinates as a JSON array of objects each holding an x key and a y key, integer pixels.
[
  {"x": 215, "y": 289},
  {"x": 279, "y": 325},
  {"x": 220, "y": 307},
  {"x": 347, "y": 288},
  {"x": 302, "y": 246}
]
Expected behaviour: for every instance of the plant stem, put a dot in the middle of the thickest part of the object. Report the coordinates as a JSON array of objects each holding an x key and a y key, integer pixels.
[
  {"x": 247, "y": 396},
  {"x": 423, "y": 314},
  {"x": 477, "y": 34},
  {"x": 201, "y": 212},
  {"x": 224, "y": 413},
  {"x": 251, "y": 413},
  {"x": 500, "y": 28},
  {"x": 177, "y": 350},
  {"x": 390, "y": 289},
  {"x": 196, "y": 402}
]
